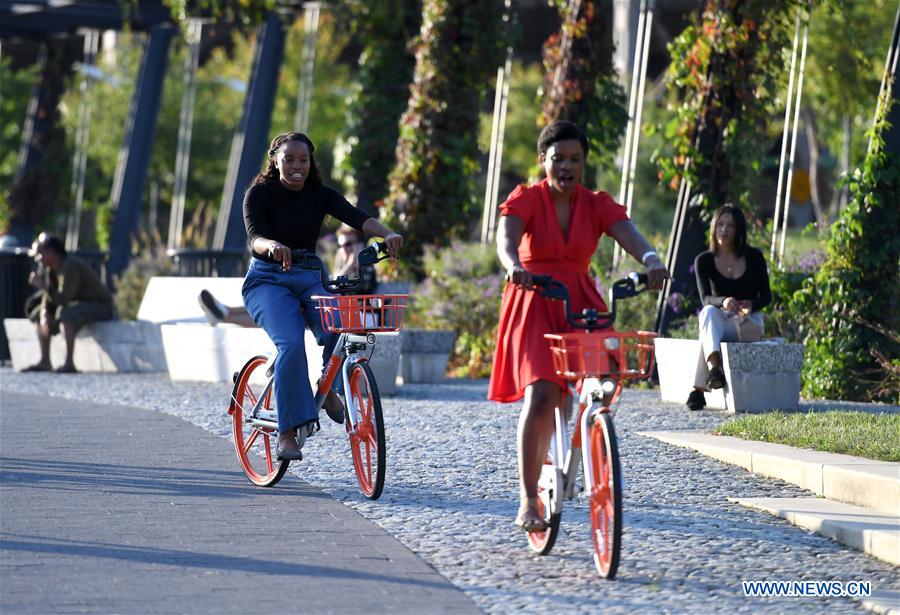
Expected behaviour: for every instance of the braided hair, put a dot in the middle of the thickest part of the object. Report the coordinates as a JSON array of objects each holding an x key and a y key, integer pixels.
[{"x": 270, "y": 173}]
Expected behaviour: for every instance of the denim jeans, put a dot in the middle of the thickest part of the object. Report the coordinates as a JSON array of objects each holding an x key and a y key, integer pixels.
[{"x": 280, "y": 302}]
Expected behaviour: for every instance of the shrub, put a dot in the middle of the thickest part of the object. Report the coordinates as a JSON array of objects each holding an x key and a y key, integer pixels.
[
  {"x": 848, "y": 310},
  {"x": 150, "y": 260},
  {"x": 461, "y": 291}
]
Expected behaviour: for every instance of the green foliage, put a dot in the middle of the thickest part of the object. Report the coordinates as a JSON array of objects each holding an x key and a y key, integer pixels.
[
  {"x": 724, "y": 75},
  {"x": 15, "y": 90},
  {"x": 849, "y": 309},
  {"x": 243, "y": 11},
  {"x": 380, "y": 93},
  {"x": 864, "y": 434},
  {"x": 580, "y": 82},
  {"x": 519, "y": 151},
  {"x": 432, "y": 188},
  {"x": 461, "y": 291},
  {"x": 844, "y": 62},
  {"x": 150, "y": 260}
]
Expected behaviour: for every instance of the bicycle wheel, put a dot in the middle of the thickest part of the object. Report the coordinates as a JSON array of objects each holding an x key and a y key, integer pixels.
[
  {"x": 606, "y": 495},
  {"x": 367, "y": 444},
  {"x": 550, "y": 508},
  {"x": 255, "y": 446}
]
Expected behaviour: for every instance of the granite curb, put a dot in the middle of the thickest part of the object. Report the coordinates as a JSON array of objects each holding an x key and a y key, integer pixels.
[{"x": 860, "y": 498}]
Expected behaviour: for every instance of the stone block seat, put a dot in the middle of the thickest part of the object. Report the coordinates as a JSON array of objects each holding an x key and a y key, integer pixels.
[
  {"x": 760, "y": 376},
  {"x": 195, "y": 351}
]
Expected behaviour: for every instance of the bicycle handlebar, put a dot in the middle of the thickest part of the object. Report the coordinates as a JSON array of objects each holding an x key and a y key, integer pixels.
[
  {"x": 341, "y": 284},
  {"x": 630, "y": 286}
]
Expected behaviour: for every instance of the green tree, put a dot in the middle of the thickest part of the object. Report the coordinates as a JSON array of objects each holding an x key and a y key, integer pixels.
[
  {"x": 850, "y": 309},
  {"x": 15, "y": 88},
  {"x": 844, "y": 63},
  {"x": 724, "y": 77},
  {"x": 384, "y": 28},
  {"x": 580, "y": 83},
  {"x": 432, "y": 189}
]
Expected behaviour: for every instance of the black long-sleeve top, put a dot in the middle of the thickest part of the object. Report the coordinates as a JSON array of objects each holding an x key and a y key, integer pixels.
[
  {"x": 753, "y": 285},
  {"x": 294, "y": 217}
]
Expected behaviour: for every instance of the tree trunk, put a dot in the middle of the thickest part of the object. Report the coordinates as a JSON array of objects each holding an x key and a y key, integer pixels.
[{"x": 809, "y": 125}]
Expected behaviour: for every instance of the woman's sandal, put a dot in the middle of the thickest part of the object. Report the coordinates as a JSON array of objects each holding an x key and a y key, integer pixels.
[{"x": 530, "y": 520}]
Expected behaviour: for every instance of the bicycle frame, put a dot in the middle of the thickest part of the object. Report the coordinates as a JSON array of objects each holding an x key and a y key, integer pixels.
[
  {"x": 345, "y": 355},
  {"x": 572, "y": 452}
]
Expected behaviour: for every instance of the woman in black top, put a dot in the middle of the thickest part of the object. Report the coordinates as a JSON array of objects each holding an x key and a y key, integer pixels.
[
  {"x": 734, "y": 286},
  {"x": 283, "y": 210}
]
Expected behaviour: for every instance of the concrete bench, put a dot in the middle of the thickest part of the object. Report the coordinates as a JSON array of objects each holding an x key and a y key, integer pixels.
[
  {"x": 195, "y": 351},
  {"x": 125, "y": 345},
  {"x": 760, "y": 376},
  {"x": 110, "y": 346}
]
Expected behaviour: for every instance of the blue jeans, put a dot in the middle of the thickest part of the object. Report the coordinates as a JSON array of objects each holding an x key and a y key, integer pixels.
[{"x": 280, "y": 302}]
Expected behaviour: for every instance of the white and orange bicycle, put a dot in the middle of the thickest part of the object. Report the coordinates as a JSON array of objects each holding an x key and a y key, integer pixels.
[
  {"x": 599, "y": 361},
  {"x": 356, "y": 318}
]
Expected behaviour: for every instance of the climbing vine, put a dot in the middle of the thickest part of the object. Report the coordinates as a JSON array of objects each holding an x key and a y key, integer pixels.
[
  {"x": 386, "y": 64},
  {"x": 432, "y": 189},
  {"x": 850, "y": 309},
  {"x": 580, "y": 83},
  {"x": 725, "y": 78}
]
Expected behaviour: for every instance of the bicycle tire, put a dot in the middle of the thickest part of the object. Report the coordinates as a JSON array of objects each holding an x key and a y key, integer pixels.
[
  {"x": 606, "y": 495},
  {"x": 368, "y": 441},
  {"x": 541, "y": 542},
  {"x": 255, "y": 447}
]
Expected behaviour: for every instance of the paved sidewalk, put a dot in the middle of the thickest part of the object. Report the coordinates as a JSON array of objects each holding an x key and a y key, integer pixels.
[
  {"x": 116, "y": 509},
  {"x": 450, "y": 497}
]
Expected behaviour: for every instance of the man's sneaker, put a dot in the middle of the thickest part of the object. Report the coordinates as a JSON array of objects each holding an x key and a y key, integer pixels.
[
  {"x": 214, "y": 310},
  {"x": 696, "y": 400}
]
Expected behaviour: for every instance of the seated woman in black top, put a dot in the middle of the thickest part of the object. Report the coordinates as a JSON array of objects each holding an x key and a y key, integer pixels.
[
  {"x": 734, "y": 286},
  {"x": 283, "y": 211}
]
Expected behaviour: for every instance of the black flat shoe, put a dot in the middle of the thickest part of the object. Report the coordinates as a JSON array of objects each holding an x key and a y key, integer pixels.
[
  {"x": 287, "y": 448},
  {"x": 716, "y": 379},
  {"x": 696, "y": 400}
]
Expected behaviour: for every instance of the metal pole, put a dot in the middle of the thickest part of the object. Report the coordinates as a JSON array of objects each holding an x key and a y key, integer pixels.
[
  {"x": 790, "y": 175},
  {"x": 185, "y": 132},
  {"x": 489, "y": 202},
  {"x": 632, "y": 99},
  {"x": 784, "y": 139},
  {"x": 498, "y": 129},
  {"x": 632, "y": 132},
  {"x": 252, "y": 135},
  {"x": 500, "y": 137},
  {"x": 639, "y": 108},
  {"x": 137, "y": 144},
  {"x": 307, "y": 66},
  {"x": 82, "y": 134}
]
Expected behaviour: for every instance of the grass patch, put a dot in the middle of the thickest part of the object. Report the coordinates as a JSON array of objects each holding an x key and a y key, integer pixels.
[{"x": 873, "y": 436}]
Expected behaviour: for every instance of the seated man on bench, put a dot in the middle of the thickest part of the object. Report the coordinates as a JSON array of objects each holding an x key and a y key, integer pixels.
[
  {"x": 70, "y": 295},
  {"x": 734, "y": 286}
]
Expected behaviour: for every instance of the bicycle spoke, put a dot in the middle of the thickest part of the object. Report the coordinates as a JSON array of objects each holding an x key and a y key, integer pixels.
[{"x": 250, "y": 440}]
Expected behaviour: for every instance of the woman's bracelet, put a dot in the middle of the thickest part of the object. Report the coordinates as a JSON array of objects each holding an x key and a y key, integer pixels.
[{"x": 647, "y": 255}]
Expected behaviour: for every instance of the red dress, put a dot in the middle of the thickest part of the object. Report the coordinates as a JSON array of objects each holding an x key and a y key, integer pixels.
[{"x": 522, "y": 355}]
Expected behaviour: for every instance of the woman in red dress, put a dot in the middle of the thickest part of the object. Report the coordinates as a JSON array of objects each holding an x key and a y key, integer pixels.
[{"x": 550, "y": 228}]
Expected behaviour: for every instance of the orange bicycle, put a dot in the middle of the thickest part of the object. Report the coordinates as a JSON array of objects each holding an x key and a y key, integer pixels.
[
  {"x": 356, "y": 318},
  {"x": 601, "y": 361}
]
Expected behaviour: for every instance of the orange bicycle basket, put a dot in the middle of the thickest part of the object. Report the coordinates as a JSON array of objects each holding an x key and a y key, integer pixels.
[
  {"x": 620, "y": 354},
  {"x": 362, "y": 313}
]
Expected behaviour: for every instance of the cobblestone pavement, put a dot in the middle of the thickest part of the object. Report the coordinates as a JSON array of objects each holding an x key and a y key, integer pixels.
[{"x": 450, "y": 496}]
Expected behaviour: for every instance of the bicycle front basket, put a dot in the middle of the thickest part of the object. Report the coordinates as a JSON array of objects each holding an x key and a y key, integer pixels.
[
  {"x": 620, "y": 354},
  {"x": 362, "y": 313}
]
